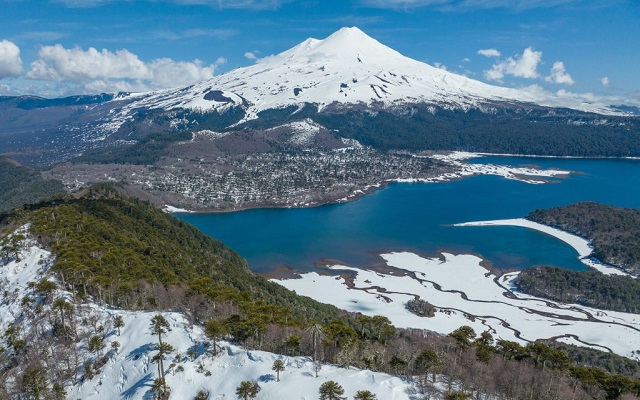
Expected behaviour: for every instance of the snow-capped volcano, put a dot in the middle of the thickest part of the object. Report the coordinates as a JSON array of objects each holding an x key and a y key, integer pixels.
[{"x": 348, "y": 67}]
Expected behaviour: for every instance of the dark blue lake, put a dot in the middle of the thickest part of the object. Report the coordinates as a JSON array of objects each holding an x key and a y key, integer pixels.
[{"x": 417, "y": 217}]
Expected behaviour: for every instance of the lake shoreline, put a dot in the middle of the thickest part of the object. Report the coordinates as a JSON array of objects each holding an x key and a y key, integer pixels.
[
  {"x": 581, "y": 245},
  {"x": 455, "y": 168}
]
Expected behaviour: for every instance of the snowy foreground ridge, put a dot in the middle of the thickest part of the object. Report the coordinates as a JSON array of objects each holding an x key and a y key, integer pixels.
[
  {"x": 129, "y": 372},
  {"x": 469, "y": 295}
]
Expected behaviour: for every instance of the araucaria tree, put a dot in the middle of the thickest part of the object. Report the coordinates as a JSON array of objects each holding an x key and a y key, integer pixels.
[
  {"x": 247, "y": 390},
  {"x": 278, "y": 366},
  {"x": 118, "y": 322},
  {"x": 96, "y": 344},
  {"x": 34, "y": 383},
  {"x": 214, "y": 331},
  {"x": 364, "y": 395},
  {"x": 331, "y": 390},
  {"x": 160, "y": 326}
]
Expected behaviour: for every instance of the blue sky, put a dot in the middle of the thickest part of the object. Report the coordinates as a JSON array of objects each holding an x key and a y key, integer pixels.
[{"x": 61, "y": 47}]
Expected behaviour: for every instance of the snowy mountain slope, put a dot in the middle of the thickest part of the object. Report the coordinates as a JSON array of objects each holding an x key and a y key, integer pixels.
[
  {"x": 348, "y": 67},
  {"x": 129, "y": 372},
  {"x": 351, "y": 84}
]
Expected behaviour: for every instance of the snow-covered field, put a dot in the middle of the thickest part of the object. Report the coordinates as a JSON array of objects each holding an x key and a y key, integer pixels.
[
  {"x": 129, "y": 373},
  {"x": 464, "y": 169},
  {"x": 465, "y": 293}
]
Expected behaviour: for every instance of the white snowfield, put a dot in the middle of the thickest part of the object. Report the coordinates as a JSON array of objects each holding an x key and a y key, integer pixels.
[
  {"x": 129, "y": 373},
  {"x": 465, "y": 293},
  {"x": 464, "y": 169},
  {"x": 350, "y": 67}
]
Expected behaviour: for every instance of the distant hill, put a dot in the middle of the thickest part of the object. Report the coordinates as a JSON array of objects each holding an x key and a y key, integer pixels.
[
  {"x": 22, "y": 185},
  {"x": 614, "y": 231},
  {"x": 615, "y": 235}
]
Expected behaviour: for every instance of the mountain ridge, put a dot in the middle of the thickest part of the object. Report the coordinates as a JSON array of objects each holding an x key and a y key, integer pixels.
[
  {"x": 348, "y": 67},
  {"x": 352, "y": 85}
]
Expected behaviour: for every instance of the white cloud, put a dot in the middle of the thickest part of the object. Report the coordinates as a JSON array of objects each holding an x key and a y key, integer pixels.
[
  {"x": 115, "y": 71},
  {"x": 489, "y": 52},
  {"x": 559, "y": 74},
  {"x": 466, "y": 59},
  {"x": 523, "y": 66},
  {"x": 164, "y": 72},
  {"x": 6, "y": 90},
  {"x": 250, "y": 55},
  {"x": 110, "y": 86},
  {"x": 605, "y": 81},
  {"x": 56, "y": 63},
  {"x": 10, "y": 61}
]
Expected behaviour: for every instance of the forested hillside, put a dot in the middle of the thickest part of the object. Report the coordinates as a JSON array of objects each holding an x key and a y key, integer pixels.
[
  {"x": 536, "y": 131},
  {"x": 589, "y": 288},
  {"x": 615, "y": 235},
  {"x": 613, "y": 231},
  {"x": 22, "y": 185},
  {"x": 125, "y": 252}
]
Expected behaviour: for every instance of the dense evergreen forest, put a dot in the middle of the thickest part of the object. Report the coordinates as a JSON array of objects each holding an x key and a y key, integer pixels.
[
  {"x": 147, "y": 151},
  {"x": 615, "y": 234},
  {"x": 22, "y": 185},
  {"x": 613, "y": 231},
  {"x": 589, "y": 288},
  {"x": 537, "y": 131},
  {"x": 496, "y": 129},
  {"x": 122, "y": 252}
]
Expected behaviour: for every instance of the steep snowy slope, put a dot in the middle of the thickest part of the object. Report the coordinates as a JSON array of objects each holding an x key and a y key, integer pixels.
[
  {"x": 129, "y": 371},
  {"x": 348, "y": 67}
]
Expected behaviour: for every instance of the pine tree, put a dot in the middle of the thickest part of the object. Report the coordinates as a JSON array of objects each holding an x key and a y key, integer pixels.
[
  {"x": 58, "y": 392},
  {"x": 34, "y": 383},
  {"x": 278, "y": 366},
  {"x": 331, "y": 390},
  {"x": 214, "y": 331},
  {"x": 160, "y": 326},
  {"x": 463, "y": 336},
  {"x": 64, "y": 309},
  {"x": 96, "y": 344},
  {"x": 118, "y": 322},
  {"x": 427, "y": 361},
  {"x": 247, "y": 390},
  {"x": 364, "y": 395}
]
